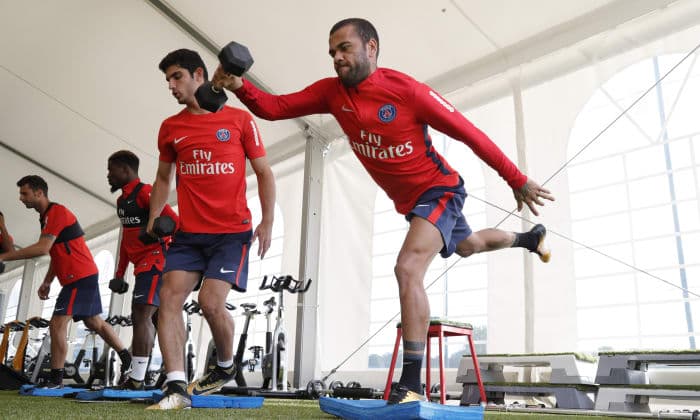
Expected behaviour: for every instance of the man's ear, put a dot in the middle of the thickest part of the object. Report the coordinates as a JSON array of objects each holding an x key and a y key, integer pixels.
[
  {"x": 199, "y": 75},
  {"x": 372, "y": 48}
]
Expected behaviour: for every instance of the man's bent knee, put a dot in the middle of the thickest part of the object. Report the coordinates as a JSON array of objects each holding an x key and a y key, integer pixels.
[
  {"x": 472, "y": 244},
  {"x": 94, "y": 323},
  {"x": 212, "y": 305},
  {"x": 142, "y": 314}
]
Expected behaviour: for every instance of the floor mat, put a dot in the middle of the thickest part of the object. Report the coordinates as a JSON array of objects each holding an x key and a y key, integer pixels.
[
  {"x": 114, "y": 394},
  {"x": 31, "y": 390},
  {"x": 373, "y": 409}
]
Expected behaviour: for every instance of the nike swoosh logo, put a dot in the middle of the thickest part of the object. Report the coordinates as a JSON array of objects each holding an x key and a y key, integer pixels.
[
  {"x": 129, "y": 201},
  {"x": 199, "y": 389},
  {"x": 422, "y": 205},
  {"x": 58, "y": 309},
  {"x": 222, "y": 271},
  {"x": 178, "y": 140},
  {"x": 137, "y": 296},
  {"x": 346, "y": 109}
]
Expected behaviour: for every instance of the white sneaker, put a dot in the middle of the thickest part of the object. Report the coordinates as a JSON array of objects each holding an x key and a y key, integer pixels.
[{"x": 173, "y": 401}]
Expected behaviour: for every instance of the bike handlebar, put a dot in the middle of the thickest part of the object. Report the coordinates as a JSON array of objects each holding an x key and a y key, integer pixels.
[
  {"x": 286, "y": 283},
  {"x": 193, "y": 307},
  {"x": 124, "y": 321}
]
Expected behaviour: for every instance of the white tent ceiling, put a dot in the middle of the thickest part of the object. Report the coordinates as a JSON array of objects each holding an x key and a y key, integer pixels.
[{"x": 79, "y": 78}]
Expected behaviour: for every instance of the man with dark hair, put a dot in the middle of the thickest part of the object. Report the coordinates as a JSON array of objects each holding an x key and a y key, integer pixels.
[
  {"x": 186, "y": 59},
  {"x": 208, "y": 152},
  {"x": 148, "y": 259},
  {"x": 71, "y": 261},
  {"x": 385, "y": 115},
  {"x": 7, "y": 244}
]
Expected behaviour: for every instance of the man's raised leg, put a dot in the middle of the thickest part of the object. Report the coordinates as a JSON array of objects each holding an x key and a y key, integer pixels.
[
  {"x": 492, "y": 239},
  {"x": 104, "y": 330}
]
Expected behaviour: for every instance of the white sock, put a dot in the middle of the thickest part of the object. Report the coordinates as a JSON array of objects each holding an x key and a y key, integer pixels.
[
  {"x": 138, "y": 368},
  {"x": 225, "y": 364},
  {"x": 176, "y": 375}
]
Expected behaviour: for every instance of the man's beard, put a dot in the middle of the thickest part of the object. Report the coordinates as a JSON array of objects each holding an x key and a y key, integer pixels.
[{"x": 355, "y": 75}]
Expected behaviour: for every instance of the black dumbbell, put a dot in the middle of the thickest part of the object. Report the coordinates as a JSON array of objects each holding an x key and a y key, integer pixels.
[
  {"x": 235, "y": 59},
  {"x": 162, "y": 226},
  {"x": 118, "y": 285}
]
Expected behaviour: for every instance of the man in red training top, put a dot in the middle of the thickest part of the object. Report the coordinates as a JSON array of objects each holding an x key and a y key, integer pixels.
[
  {"x": 148, "y": 259},
  {"x": 71, "y": 261},
  {"x": 6, "y": 242},
  {"x": 385, "y": 115},
  {"x": 208, "y": 152}
]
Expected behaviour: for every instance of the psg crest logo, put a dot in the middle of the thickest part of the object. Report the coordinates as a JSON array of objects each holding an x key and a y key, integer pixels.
[
  {"x": 223, "y": 134},
  {"x": 387, "y": 113}
]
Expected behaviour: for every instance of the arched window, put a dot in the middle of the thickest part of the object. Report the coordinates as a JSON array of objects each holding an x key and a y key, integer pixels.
[
  {"x": 460, "y": 294},
  {"x": 635, "y": 196}
]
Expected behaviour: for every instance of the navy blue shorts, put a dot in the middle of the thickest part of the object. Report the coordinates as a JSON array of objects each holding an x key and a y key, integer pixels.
[
  {"x": 443, "y": 208},
  {"x": 221, "y": 256},
  {"x": 80, "y": 299},
  {"x": 147, "y": 287}
]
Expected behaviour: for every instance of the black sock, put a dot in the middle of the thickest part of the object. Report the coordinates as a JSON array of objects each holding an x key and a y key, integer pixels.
[
  {"x": 527, "y": 240},
  {"x": 57, "y": 376},
  {"x": 410, "y": 372},
  {"x": 227, "y": 369},
  {"x": 125, "y": 357}
]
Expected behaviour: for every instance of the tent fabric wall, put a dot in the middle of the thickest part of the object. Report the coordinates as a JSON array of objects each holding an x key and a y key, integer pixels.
[{"x": 346, "y": 258}]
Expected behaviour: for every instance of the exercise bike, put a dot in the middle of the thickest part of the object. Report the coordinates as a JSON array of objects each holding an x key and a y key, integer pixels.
[
  {"x": 190, "y": 309},
  {"x": 274, "y": 363},
  {"x": 9, "y": 378},
  {"x": 249, "y": 311},
  {"x": 7, "y": 349},
  {"x": 39, "y": 367}
]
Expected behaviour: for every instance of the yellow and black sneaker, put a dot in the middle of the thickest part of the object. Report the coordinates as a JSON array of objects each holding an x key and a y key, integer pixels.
[
  {"x": 130, "y": 384},
  {"x": 212, "y": 381},
  {"x": 401, "y": 394},
  {"x": 541, "y": 232},
  {"x": 175, "y": 398}
]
